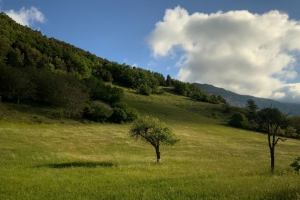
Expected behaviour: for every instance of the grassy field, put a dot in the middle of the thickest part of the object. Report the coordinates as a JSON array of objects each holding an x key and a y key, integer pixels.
[{"x": 44, "y": 157}]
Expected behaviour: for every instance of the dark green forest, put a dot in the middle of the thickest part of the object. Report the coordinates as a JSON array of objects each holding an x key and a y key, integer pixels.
[{"x": 38, "y": 70}]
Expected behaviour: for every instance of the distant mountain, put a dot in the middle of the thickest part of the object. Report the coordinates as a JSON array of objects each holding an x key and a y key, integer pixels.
[{"x": 238, "y": 100}]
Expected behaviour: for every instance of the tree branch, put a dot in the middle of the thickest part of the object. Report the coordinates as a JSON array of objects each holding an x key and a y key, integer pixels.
[
  {"x": 289, "y": 113},
  {"x": 278, "y": 140},
  {"x": 269, "y": 140}
]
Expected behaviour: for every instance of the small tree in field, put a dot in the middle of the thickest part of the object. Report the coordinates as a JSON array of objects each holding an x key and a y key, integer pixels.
[
  {"x": 154, "y": 131},
  {"x": 271, "y": 119}
]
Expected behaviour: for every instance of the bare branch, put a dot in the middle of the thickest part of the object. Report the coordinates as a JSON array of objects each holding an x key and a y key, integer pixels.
[
  {"x": 278, "y": 140},
  {"x": 289, "y": 113}
]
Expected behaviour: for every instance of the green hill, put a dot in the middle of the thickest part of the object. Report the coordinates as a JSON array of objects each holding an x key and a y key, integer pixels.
[
  {"x": 44, "y": 71},
  {"x": 45, "y": 157},
  {"x": 46, "y": 154}
]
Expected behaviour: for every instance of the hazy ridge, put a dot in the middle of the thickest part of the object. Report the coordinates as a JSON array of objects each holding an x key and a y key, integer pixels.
[{"x": 239, "y": 100}]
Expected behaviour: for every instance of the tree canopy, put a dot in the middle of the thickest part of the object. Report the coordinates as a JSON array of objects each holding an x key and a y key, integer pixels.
[
  {"x": 35, "y": 66},
  {"x": 153, "y": 131},
  {"x": 251, "y": 105}
]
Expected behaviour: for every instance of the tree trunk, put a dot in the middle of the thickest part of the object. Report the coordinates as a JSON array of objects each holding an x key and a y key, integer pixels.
[
  {"x": 157, "y": 154},
  {"x": 272, "y": 152},
  {"x": 272, "y": 149}
]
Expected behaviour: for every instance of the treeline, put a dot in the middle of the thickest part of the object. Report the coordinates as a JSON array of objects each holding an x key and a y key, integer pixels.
[
  {"x": 35, "y": 68},
  {"x": 260, "y": 120},
  {"x": 192, "y": 91},
  {"x": 74, "y": 97},
  {"x": 144, "y": 81},
  {"x": 23, "y": 47}
]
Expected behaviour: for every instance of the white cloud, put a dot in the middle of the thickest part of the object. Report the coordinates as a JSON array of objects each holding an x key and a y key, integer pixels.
[
  {"x": 243, "y": 52},
  {"x": 26, "y": 17},
  {"x": 134, "y": 65},
  {"x": 288, "y": 93}
]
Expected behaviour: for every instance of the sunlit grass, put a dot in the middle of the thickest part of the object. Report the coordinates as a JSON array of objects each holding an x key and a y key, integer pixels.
[{"x": 99, "y": 161}]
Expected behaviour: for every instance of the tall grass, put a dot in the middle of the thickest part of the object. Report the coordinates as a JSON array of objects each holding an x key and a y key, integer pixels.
[{"x": 99, "y": 161}]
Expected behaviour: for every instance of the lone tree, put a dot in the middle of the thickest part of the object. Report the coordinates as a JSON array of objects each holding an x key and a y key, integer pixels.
[
  {"x": 271, "y": 120},
  {"x": 154, "y": 131}
]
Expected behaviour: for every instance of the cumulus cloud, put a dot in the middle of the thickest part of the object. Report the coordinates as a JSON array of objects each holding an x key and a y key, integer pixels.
[
  {"x": 288, "y": 93},
  {"x": 26, "y": 17},
  {"x": 243, "y": 52}
]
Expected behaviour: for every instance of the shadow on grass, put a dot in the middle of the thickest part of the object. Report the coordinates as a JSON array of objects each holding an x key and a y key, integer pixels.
[{"x": 79, "y": 164}]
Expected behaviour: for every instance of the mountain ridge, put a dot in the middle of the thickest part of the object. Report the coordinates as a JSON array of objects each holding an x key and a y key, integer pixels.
[{"x": 239, "y": 100}]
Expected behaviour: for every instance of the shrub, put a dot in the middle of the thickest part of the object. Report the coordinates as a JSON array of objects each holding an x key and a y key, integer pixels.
[
  {"x": 145, "y": 90},
  {"x": 161, "y": 92},
  {"x": 132, "y": 114},
  {"x": 238, "y": 120},
  {"x": 226, "y": 107},
  {"x": 296, "y": 164},
  {"x": 119, "y": 116},
  {"x": 120, "y": 105},
  {"x": 97, "y": 112}
]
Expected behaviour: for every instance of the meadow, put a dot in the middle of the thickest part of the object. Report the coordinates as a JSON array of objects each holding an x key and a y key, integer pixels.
[{"x": 44, "y": 157}]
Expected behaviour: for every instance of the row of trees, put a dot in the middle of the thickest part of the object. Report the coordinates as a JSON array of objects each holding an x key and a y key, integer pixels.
[
  {"x": 192, "y": 91},
  {"x": 253, "y": 119},
  {"x": 22, "y": 47},
  {"x": 136, "y": 78},
  {"x": 74, "y": 97}
]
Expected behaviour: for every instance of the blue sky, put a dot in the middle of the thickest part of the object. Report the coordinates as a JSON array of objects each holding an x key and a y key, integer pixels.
[{"x": 247, "y": 48}]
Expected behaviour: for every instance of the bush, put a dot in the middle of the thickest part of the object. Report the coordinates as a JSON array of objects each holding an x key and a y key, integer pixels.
[
  {"x": 238, "y": 120},
  {"x": 296, "y": 164},
  {"x": 161, "y": 92},
  {"x": 132, "y": 114},
  {"x": 118, "y": 116},
  {"x": 97, "y": 112},
  {"x": 120, "y": 105},
  {"x": 145, "y": 90},
  {"x": 227, "y": 108}
]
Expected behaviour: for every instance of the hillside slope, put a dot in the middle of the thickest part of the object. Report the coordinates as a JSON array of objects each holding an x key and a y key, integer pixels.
[{"x": 45, "y": 157}]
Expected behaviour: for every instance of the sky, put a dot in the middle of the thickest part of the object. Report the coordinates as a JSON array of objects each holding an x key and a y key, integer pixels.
[{"x": 248, "y": 47}]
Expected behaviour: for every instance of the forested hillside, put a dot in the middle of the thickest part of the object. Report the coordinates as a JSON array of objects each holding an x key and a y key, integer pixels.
[{"x": 46, "y": 71}]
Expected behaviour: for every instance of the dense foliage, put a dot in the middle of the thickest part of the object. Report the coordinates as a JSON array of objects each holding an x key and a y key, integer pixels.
[
  {"x": 266, "y": 120},
  {"x": 195, "y": 93},
  {"x": 239, "y": 120},
  {"x": 35, "y": 68},
  {"x": 296, "y": 164}
]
